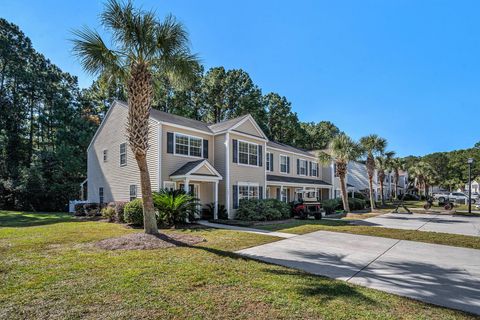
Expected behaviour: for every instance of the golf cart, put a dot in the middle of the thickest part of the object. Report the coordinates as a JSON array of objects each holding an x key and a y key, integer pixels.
[{"x": 306, "y": 205}]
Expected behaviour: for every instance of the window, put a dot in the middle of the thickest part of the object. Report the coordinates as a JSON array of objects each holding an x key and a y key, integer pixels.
[
  {"x": 170, "y": 185},
  {"x": 101, "y": 197},
  {"x": 283, "y": 195},
  {"x": 314, "y": 169},
  {"x": 247, "y": 192},
  {"x": 188, "y": 145},
  {"x": 133, "y": 192},
  {"x": 268, "y": 161},
  {"x": 284, "y": 164},
  {"x": 105, "y": 156},
  {"x": 123, "y": 154},
  {"x": 247, "y": 153},
  {"x": 302, "y": 167}
]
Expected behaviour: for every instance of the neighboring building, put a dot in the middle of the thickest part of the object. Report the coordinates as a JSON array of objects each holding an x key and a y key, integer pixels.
[
  {"x": 475, "y": 187},
  {"x": 219, "y": 163}
]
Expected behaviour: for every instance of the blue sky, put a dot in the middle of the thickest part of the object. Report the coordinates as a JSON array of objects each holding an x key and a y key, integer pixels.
[{"x": 406, "y": 70}]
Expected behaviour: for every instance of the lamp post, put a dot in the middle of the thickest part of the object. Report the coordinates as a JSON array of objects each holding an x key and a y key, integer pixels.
[{"x": 470, "y": 162}]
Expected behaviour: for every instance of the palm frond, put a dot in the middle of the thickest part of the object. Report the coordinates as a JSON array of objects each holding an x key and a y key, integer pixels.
[{"x": 94, "y": 55}]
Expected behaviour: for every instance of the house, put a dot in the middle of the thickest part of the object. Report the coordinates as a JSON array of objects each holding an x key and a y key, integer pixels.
[
  {"x": 219, "y": 163},
  {"x": 475, "y": 187}
]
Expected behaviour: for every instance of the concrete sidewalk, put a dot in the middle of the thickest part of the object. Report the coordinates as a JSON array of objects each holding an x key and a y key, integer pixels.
[
  {"x": 464, "y": 225},
  {"x": 441, "y": 275},
  {"x": 244, "y": 229}
]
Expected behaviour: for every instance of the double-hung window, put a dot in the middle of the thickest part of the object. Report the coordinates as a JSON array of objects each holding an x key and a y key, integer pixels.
[
  {"x": 268, "y": 161},
  {"x": 133, "y": 192},
  {"x": 101, "y": 197},
  {"x": 314, "y": 169},
  {"x": 188, "y": 145},
  {"x": 123, "y": 154},
  {"x": 247, "y": 192},
  {"x": 248, "y": 153},
  {"x": 302, "y": 167},
  {"x": 283, "y": 164}
]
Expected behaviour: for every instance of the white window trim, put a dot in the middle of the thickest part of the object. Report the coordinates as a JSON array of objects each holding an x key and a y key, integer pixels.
[
  {"x": 175, "y": 134},
  {"x": 299, "y": 167},
  {"x": 238, "y": 154},
  {"x": 130, "y": 192},
  {"x": 317, "y": 167},
  {"x": 120, "y": 155},
  {"x": 249, "y": 185},
  {"x": 103, "y": 194},
  {"x": 165, "y": 183},
  {"x": 280, "y": 163},
  {"x": 105, "y": 155},
  {"x": 267, "y": 156}
]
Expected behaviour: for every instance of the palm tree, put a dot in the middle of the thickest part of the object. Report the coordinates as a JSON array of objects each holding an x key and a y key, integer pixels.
[
  {"x": 342, "y": 149},
  {"x": 424, "y": 175},
  {"x": 383, "y": 165},
  {"x": 142, "y": 47},
  {"x": 372, "y": 146},
  {"x": 397, "y": 165}
]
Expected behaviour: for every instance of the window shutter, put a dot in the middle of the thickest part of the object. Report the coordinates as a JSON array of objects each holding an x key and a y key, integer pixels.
[
  {"x": 235, "y": 197},
  {"x": 278, "y": 193},
  {"x": 260, "y": 192},
  {"x": 169, "y": 142},
  {"x": 205, "y": 148},
  {"x": 234, "y": 150},
  {"x": 298, "y": 166},
  {"x": 310, "y": 167},
  {"x": 260, "y": 156},
  {"x": 288, "y": 164},
  {"x": 271, "y": 161}
]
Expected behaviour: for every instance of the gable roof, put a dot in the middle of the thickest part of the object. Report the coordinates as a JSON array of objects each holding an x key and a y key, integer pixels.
[
  {"x": 286, "y": 147},
  {"x": 191, "y": 167},
  {"x": 225, "y": 125},
  {"x": 187, "y": 167}
]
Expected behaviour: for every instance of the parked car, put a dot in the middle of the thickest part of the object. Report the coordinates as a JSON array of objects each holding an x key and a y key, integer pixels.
[{"x": 452, "y": 196}]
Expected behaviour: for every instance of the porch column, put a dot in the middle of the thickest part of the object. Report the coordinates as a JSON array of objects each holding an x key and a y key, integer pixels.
[
  {"x": 281, "y": 193},
  {"x": 185, "y": 188},
  {"x": 215, "y": 200}
]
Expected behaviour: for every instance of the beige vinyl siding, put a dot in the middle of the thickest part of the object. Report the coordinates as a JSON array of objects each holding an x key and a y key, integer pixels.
[
  {"x": 116, "y": 179},
  {"x": 171, "y": 162},
  {"x": 293, "y": 163},
  {"x": 249, "y": 128},
  {"x": 220, "y": 166},
  {"x": 245, "y": 173}
]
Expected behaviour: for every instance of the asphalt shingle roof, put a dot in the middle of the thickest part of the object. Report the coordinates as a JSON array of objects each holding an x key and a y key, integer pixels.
[
  {"x": 187, "y": 167},
  {"x": 225, "y": 125},
  {"x": 278, "y": 145}
]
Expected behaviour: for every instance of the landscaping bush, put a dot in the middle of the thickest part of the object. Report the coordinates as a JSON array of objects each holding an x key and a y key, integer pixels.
[
  {"x": 109, "y": 213},
  {"x": 358, "y": 195},
  {"x": 119, "y": 211},
  {"x": 79, "y": 211},
  {"x": 133, "y": 212},
  {"x": 337, "y": 204},
  {"x": 92, "y": 209},
  {"x": 222, "y": 211},
  {"x": 262, "y": 210},
  {"x": 174, "y": 206}
]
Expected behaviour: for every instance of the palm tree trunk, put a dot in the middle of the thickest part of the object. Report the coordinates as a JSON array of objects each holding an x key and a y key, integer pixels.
[
  {"x": 149, "y": 219},
  {"x": 346, "y": 207},
  {"x": 372, "y": 200},
  {"x": 381, "y": 192}
]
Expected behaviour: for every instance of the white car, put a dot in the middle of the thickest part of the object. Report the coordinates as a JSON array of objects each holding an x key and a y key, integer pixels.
[{"x": 453, "y": 196}]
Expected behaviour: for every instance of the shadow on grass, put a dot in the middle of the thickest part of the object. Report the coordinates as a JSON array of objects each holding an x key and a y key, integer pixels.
[{"x": 29, "y": 219}]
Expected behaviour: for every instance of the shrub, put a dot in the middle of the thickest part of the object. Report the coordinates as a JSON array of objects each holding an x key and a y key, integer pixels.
[
  {"x": 79, "y": 211},
  {"x": 92, "y": 209},
  {"x": 337, "y": 204},
  {"x": 222, "y": 211},
  {"x": 262, "y": 210},
  {"x": 174, "y": 206},
  {"x": 119, "y": 211},
  {"x": 109, "y": 213},
  {"x": 133, "y": 212}
]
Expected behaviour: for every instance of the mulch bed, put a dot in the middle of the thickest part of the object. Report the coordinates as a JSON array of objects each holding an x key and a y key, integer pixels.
[{"x": 142, "y": 241}]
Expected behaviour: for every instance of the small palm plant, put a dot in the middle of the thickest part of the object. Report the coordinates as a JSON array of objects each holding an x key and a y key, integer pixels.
[
  {"x": 372, "y": 146},
  {"x": 175, "y": 206},
  {"x": 383, "y": 164},
  {"x": 342, "y": 149},
  {"x": 142, "y": 47}
]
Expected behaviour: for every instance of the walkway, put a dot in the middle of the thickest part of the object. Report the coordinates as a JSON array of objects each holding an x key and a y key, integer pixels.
[{"x": 244, "y": 229}]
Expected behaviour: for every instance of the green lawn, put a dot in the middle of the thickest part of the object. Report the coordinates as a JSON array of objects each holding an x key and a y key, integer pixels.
[
  {"x": 307, "y": 226},
  {"x": 49, "y": 269}
]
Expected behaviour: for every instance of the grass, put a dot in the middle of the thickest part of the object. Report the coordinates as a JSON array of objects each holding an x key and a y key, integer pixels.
[
  {"x": 49, "y": 269},
  {"x": 307, "y": 226}
]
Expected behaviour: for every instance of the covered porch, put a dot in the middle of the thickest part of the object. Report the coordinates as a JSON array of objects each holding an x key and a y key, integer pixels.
[
  {"x": 289, "y": 189},
  {"x": 200, "y": 179}
]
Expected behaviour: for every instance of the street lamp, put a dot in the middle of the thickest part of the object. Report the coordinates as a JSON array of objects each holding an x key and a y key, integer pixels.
[{"x": 470, "y": 162}]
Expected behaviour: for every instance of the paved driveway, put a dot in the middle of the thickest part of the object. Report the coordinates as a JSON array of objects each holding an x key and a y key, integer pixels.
[
  {"x": 469, "y": 226},
  {"x": 442, "y": 275}
]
